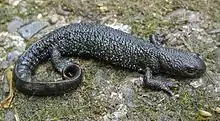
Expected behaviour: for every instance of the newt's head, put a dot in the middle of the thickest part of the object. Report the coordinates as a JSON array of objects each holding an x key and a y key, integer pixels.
[{"x": 181, "y": 64}]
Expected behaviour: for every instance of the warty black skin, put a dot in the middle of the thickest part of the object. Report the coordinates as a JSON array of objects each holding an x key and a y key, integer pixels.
[{"x": 107, "y": 44}]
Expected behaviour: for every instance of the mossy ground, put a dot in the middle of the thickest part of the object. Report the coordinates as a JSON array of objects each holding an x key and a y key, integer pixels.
[{"x": 145, "y": 17}]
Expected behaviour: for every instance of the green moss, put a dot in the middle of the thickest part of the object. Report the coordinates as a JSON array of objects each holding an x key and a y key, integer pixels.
[{"x": 84, "y": 103}]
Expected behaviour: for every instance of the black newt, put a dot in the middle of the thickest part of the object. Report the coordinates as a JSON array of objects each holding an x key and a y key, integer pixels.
[{"x": 106, "y": 44}]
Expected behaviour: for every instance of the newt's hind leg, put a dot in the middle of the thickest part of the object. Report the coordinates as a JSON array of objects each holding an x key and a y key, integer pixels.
[
  {"x": 157, "y": 39},
  {"x": 157, "y": 83},
  {"x": 65, "y": 66}
]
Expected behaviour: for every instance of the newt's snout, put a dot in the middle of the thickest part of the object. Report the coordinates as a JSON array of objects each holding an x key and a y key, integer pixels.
[
  {"x": 181, "y": 64},
  {"x": 196, "y": 68}
]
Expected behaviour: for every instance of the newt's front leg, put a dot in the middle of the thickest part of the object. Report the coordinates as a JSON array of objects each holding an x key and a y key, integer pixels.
[{"x": 157, "y": 83}]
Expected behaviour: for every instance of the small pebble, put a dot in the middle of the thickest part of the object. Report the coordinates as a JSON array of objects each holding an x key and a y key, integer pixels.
[
  {"x": 14, "y": 25},
  {"x": 100, "y": 79},
  {"x": 39, "y": 16},
  {"x": 217, "y": 110},
  {"x": 214, "y": 31},
  {"x": 183, "y": 15},
  {"x": 196, "y": 83},
  {"x": 121, "y": 112},
  {"x": 119, "y": 26},
  {"x": 4, "y": 64},
  {"x": 13, "y": 55},
  {"x": 205, "y": 113},
  {"x": 53, "y": 19},
  {"x": 128, "y": 95},
  {"x": 9, "y": 116},
  {"x": 163, "y": 118},
  {"x": 62, "y": 12},
  {"x": 217, "y": 57},
  {"x": 29, "y": 30},
  {"x": 22, "y": 9},
  {"x": 138, "y": 81},
  {"x": 13, "y": 2}
]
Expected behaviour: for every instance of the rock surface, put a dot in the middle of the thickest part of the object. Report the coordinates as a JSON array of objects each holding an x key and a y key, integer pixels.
[{"x": 109, "y": 93}]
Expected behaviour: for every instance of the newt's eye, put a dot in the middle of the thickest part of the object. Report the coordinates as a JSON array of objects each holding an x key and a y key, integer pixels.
[{"x": 190, "y": 71}]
